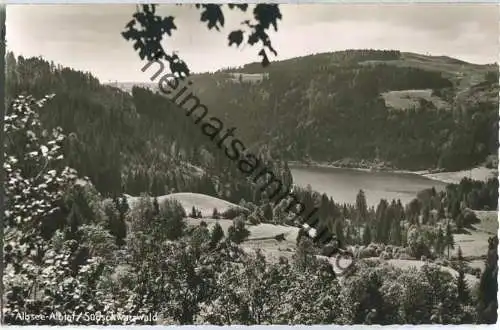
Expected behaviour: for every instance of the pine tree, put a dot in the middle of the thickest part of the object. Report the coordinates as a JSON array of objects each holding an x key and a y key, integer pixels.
[
  {"x": 156, "y": 206},
  {"x": 367, "y": 236},
  {"x": 439, "y": 242},
  {"x": 488, "y": 286},
  {"x": 304, "y": 254},
  {"x": 413, "y": 211},
  {"x": 382, "y": 221},
  {"x": 449, "y": 241},
  {"x": 339, "y": 231},
  {"x": 426, "y": 212},
  {"x": 361, "y": 212},
  {"x": 268, "y": 212},
  {"x": 237, "y": 232},
  {"x": 170, "y": 224},
  {"x": 123, "y": 206},
  {"x": 395, "y": 233},
  {"x": 349, "y": 239},
  {"x": 463, "y": 290},
  {"x": 460, "y": 221},
  {"x": 441, "y": 213},
  {"x": 216, "y": 235},
  {"x": 194, "y": 213}
]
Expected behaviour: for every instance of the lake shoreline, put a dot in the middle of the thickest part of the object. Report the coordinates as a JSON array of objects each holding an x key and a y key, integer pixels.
[
  {"x": 357, "y": 168},
  {"x": 479, "y": 173}
]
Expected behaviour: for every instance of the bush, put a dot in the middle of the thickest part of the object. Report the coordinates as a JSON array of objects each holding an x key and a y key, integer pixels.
[
  {"x": 170, "y": 223},
  {"x": 216, "y": 235},
  {"x": 469, "y": 217},
  {"x": 237, "y": 233},
  {"x": 253, "y": 219},
  {"x": 233, "y": 212}
]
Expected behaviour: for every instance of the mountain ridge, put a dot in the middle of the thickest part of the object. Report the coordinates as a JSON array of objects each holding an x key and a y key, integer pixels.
[{"x": 326, "y": 98}]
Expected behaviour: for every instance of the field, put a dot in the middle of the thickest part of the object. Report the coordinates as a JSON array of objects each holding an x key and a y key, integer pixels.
[
  {"x": 407, "y": 264},
  {"x": 205, "y": 204},
  {"x": 474, "y": 243},
  {"x": 406, "y": 99},
  {"x": 478, "y": 173},
  {"x": 261, "y": 237},
  {"x": 462, "y": 74}
]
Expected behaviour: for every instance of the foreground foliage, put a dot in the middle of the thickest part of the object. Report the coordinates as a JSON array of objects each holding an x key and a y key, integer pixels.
[{"x": 64, "y": 256}]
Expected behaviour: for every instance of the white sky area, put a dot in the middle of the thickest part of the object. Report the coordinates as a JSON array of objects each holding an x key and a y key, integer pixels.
[{"x": 87, "y": 37}]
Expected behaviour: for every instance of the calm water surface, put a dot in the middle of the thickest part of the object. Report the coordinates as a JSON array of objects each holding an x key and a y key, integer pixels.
[{"x": 343, "y": 184}]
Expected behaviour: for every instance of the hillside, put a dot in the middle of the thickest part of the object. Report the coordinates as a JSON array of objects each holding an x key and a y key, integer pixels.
[
  {"x": 409, "y": 111},
  {"x": 129, "y": 141},
  {"x": 417, "y": 264},
  {"x": 203, "y": 203},
  {"x": 324, "y": 107}
]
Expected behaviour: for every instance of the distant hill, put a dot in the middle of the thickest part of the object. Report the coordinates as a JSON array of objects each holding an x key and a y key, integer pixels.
[{"x": 405, "y": 110}]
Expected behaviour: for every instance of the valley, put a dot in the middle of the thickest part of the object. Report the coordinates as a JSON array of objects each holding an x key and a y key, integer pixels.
[{"x": 397, "y": 155}]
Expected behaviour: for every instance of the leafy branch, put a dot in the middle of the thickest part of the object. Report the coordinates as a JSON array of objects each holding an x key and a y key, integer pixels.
[{"x": 147, "y": 30}]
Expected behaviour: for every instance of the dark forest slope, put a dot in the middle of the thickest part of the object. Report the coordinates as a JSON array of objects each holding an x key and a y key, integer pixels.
[{"x": 339, "y": 106}]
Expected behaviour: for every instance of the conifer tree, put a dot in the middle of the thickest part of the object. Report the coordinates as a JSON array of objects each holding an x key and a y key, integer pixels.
[
  {"x": 463, "y": 290},
  {"x": 488, "y": 286},
  {"x": 367, "y": 236},
  {"x": 339, "y": 231},
  {"x": 395, "y": 233},
  {"x": 449, "y": 241},
  {"x": 361, "y": 212},
  {"x": 194, "y": 213},
  {"x": 156, "y": 206},
  {"x": 426, "y": 214},
  {"x": 439, "y": 242},
  {"x": 237, "y": 232},
  {"x": 216, "y": 235}
]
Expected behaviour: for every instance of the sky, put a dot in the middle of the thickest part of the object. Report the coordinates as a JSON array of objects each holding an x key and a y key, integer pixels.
[{"x": 87, "y": 37}]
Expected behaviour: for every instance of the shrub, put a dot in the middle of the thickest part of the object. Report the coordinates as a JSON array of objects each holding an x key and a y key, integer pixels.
[
  {"x": 237, "y": 233},
  {"x": 216, "y": 235},
  {"x": 253, "y": 219},
  {"x": 233, "y": 212}
]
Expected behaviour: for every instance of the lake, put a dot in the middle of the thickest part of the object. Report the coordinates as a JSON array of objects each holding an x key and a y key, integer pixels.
[{"x": 344, "y": 184}]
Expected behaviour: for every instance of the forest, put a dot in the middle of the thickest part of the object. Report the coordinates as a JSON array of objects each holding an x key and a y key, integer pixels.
[
  {"x": 328, "y": 108},
  {"x": 74, "y": 244}
]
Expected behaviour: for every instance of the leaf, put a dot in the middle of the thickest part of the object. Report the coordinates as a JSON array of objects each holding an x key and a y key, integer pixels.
[
  {"x": 168, "y": 25},
  {"x": 235, "y": 37},
  {"x": 130, "y": 24},
  {"x": 213, "y": 15},
  {"x": 242, "y": 7}
]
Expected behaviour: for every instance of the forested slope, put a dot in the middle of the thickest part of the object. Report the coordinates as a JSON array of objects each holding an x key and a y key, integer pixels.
[
  {"x": 126, "y": 143},
  {"x": 331, "y": 107}
]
